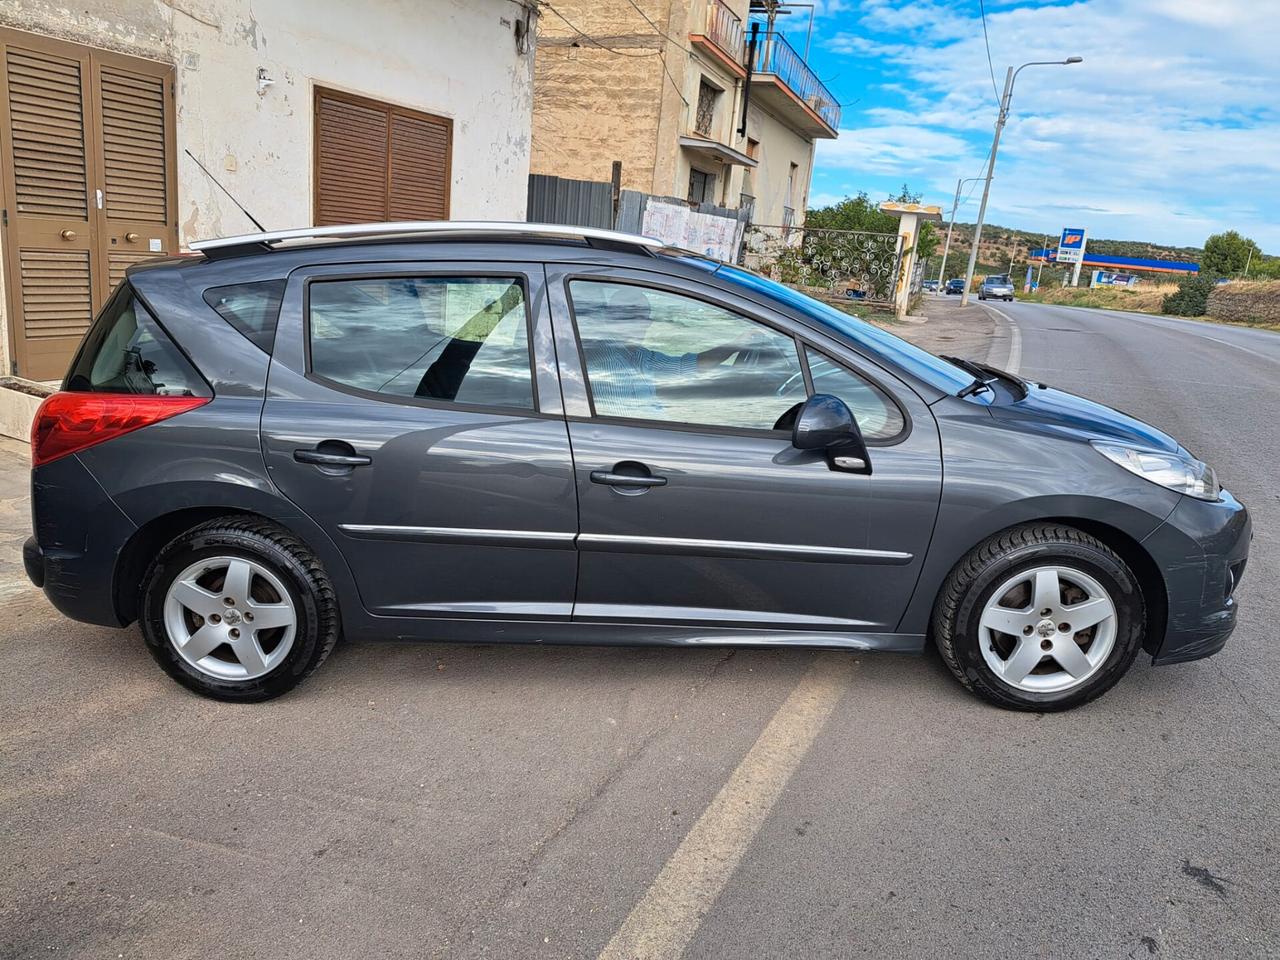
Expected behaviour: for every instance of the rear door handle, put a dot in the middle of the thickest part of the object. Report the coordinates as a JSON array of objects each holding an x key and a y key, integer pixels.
[
  {"x": 625, "y": 479},
  {"x": 323, "y": 458}
]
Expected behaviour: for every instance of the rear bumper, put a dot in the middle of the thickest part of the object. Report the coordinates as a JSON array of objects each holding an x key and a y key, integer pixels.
[
  {"x": 79, "y": 533},
  {"x": 1202, "y": 550}
]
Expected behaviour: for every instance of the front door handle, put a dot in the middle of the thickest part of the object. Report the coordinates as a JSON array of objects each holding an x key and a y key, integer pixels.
[
  {"x": 625, "y": 479},
  {"x": 325, "y": 458}
]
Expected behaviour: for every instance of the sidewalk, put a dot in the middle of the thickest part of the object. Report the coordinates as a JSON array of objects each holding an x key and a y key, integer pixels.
[{"x": 945, "y": 327}]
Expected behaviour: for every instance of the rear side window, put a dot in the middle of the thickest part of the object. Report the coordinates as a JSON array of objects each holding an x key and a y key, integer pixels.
[
  {"x": 252, "y": 308},
  {"x": 127, "y": 351},
  {"x": 463, "y": 340}
]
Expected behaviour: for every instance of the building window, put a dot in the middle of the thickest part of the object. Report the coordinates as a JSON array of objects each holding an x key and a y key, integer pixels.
[
  {"x": 702, "y": 186},
  {"x": 376, "y": 162},
  {"x": 704, "y": 120}
]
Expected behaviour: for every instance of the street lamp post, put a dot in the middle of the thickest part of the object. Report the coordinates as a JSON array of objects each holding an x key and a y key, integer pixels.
[
  {"x": 1009, "y": 79},
  {"x": 946, "y": 247}
]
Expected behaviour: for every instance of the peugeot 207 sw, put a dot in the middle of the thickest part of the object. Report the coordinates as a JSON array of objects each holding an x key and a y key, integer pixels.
[{"x": 516, "y": 433}]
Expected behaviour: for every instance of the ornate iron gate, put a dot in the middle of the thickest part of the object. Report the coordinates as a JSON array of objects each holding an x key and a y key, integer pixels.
[{"x": 863, "y": 266}]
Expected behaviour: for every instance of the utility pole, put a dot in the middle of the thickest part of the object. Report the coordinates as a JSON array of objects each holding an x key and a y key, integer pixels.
[
  {"x": 1001, "y": 117},
  {"x": 946, "y": 247}
]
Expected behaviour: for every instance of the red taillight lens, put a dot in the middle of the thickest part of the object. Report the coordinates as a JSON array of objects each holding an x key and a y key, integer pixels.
[{"x": 67, "y": 422}]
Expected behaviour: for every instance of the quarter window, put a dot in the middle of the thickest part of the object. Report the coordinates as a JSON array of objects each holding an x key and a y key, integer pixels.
[
  {"x": 654, "y": 355},
  {"x": 463, "y": 340}
]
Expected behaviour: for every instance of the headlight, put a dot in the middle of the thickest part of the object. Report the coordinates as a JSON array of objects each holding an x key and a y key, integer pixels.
[{"x": 1181, "y": 473}]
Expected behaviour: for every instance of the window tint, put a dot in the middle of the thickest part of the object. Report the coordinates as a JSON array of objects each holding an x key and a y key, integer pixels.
[
  {"x": 126, "y": 351},
  {"x": 252, "y": 308},
  {"x": 431, "y": 338},
  {"x": 660, "y": 356},
  {"x": 878, "y": 417}
]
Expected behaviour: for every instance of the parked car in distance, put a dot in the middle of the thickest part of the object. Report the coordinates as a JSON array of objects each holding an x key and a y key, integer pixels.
[
  {"x": 955, "y": 285},
  {"x": 930, "y": 286},
  {"x": 526, "y": 433},
  {"x": 996, "y": 287}
]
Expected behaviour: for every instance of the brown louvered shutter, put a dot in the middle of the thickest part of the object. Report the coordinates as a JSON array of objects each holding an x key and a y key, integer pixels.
[
  {"x": 134, "y": 151},
  {"x": 376, "y": 162},
  {"x": 48, "y": 166}
]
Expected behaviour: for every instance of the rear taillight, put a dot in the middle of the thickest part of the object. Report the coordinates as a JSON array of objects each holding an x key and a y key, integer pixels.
[{"x": 67, "y": 422}]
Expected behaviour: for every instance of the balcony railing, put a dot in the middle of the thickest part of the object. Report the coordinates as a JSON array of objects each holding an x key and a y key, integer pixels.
[
  {"x": 774, "y": 55},
  {"x": 724, "y": 29}
]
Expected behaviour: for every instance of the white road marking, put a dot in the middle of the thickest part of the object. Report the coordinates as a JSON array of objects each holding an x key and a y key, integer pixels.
[
  {"x": 665, "y": 920},
  {"x": 1014, "y": 363}
]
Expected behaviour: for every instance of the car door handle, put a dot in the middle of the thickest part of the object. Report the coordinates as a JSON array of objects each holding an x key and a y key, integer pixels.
[
  {"x": 611, "y": 479},
  {"x": 323, "y": 458}
]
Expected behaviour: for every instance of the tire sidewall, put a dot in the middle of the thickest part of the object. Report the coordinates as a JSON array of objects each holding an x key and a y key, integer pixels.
[
  {"x": 202, "y": 545},
  {"x": 1103, "y": 567}
]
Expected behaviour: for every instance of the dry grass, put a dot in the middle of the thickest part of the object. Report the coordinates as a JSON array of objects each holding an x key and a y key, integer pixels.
[{"x": 1144, "y": 298}]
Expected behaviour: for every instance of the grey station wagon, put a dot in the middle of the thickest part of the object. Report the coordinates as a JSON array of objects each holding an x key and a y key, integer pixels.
[{"x": 526, "y": 434}]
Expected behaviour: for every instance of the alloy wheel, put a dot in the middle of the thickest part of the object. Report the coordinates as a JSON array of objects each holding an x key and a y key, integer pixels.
[
  {"x": 1047, "y": 629},
  {"x": 230, "y": 618}
]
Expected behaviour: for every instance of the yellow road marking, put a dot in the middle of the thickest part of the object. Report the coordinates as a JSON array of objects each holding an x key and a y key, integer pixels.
[{"x": 661, "y": 925}]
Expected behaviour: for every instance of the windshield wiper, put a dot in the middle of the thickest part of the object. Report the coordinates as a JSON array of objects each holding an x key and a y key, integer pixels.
[{"x": 986, "y": 374}]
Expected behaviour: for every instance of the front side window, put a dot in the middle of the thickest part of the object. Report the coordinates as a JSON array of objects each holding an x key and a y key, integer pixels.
[
  {"x": 878, "y": 417},
  {"x": 463, "y": 340},
  {"x": 654, "y": 355}
]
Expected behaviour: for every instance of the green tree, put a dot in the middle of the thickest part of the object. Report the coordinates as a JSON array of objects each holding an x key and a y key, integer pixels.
[
  {"x": 1192, "y": 296},
  {"x": 861, "y": 213},
  {"x": 1227, "y": 254}
]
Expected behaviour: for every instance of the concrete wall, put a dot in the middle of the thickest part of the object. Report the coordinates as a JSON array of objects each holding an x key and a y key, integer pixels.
[
  {"x": 454, "y": 58},
  {"x": 594, "y": 105}
]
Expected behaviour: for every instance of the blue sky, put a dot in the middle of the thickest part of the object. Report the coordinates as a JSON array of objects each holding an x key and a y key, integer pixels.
[{"x": 1168, "y": 132}]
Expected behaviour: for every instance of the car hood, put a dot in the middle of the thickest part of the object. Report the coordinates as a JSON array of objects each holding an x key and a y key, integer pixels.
[{"x": 1065, "y": 414}]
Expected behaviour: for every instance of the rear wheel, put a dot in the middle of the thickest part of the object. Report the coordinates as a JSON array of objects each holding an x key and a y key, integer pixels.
[
  {"x": 1040, "y": 617},
  {"x": 238, "y": 609}
]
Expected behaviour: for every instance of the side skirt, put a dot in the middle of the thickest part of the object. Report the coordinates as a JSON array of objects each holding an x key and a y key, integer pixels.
[{"x": 475, "y": 630}]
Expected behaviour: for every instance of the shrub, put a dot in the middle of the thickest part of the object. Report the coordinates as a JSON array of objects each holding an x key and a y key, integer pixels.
[{"x": 1191, "y": 298}]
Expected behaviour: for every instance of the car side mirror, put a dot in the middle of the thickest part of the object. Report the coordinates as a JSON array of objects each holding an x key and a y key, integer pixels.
[{"x": 827, "y": 424}]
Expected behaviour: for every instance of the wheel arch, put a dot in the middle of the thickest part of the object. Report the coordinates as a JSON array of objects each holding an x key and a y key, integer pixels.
[
  {"x": 146, "y": 541},
  {"x": 1124, "y": 536}
]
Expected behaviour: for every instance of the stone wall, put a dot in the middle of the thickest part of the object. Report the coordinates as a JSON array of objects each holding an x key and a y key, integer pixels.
[{"x": 1256, "y": 302}]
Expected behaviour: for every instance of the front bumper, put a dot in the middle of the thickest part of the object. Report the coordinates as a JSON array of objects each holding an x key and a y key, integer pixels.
[{"x": 1201, "y": 550}]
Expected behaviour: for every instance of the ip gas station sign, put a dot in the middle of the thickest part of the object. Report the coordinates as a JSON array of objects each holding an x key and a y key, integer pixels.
[{"x": 1071, "y": 246}]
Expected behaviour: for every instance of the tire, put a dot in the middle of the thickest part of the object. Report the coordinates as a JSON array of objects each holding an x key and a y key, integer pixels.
[
  {"x": 295, "y": 600},
  {"x": 973, "y": 651}
]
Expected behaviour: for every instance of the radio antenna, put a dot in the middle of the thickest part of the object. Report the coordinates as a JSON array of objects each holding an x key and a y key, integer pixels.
[{"x": 251, "y": 217}]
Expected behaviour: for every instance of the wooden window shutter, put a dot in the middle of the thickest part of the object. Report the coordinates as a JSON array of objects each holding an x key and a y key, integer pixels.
[
  {"x": 376, "y": 162},
  {"x": 133, "y": 146},
  {"x": 46, "y": 116}
]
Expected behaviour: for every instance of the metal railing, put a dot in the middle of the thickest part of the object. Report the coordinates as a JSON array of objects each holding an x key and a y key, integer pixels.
[
  {"x": 846, "y": 264},
  {"x": 724, "y": 29},
  {"x": 774, "y": 55}
]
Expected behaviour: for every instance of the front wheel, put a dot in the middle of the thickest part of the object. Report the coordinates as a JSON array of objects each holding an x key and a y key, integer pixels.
[
  {"x": 238, "y": 609},
  {"x": 1041, "y": 617}
]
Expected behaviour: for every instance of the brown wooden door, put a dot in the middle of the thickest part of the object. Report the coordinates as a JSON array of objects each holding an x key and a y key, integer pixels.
[
  {"x": 86, "y": 148},
  {"x": 376, "y": 162}
]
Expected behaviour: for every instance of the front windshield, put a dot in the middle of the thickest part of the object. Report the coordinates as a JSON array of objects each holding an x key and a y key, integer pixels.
[{"x": 938, "y": 373}]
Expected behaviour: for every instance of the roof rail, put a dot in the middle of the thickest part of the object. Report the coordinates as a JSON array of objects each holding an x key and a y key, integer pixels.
[{"x": 258, "y": 242}]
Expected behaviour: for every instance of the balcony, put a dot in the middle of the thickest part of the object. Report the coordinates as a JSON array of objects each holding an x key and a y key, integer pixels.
[
  {"x": 722, "y": 37},
  {"x": 783, "y": 81}
]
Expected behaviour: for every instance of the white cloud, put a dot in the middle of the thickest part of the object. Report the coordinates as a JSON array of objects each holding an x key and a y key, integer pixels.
[{"x": 1169, "y": 130}]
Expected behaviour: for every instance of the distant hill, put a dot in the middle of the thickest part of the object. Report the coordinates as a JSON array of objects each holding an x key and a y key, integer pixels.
[{"x": 1000, "y": 244}]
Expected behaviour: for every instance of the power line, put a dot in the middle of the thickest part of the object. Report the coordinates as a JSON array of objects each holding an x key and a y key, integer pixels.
[
  {"x": 987, "y": 43},
  {"x": 661, "y": 54},
  {"x": 593, "y": 40}
]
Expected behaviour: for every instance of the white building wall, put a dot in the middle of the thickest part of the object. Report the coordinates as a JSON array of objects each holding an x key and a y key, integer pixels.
[
  {"x": 453, "y": 58},
  {"x": 780, "y": 146}
]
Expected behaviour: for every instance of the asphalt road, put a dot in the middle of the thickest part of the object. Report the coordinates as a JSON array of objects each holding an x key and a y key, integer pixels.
[{"x": 446, "y": 801}]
